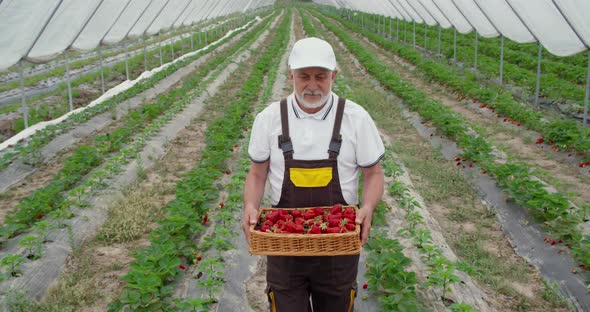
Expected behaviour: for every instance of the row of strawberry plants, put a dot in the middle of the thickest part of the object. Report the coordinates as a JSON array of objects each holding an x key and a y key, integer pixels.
[
  {"x": 491, "y": 47},
  {"x": 552, "y": 87},
  {"x": 515, "y": 178},
  {"x": 30, "y": 152},
  {"x": 577, "y": 64},
  {"x": 149, "y": 281},
  {"x": 564, "y": 134},
  {"x": 51, "y": 198},
  {"x": 441, "y": 269}
]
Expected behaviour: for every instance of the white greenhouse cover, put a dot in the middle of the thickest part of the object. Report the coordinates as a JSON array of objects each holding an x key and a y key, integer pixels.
[
  {"x": 99, "y": 24},
  {"x": 63, "y": 28},
  {"x": 476, "y": 18},
  {"x": 39, "y": 31},
  {"x": 413, "y": 15},
  {"x": 505, "y": 20},
  {"x": 427, "y": 17},
  {"x": 27, "y": 18},
  {"x": 440, "y": 18},
  {"x": 561, "y": 26}
]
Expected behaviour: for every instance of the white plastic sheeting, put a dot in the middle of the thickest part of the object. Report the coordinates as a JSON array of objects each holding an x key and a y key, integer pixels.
[
  {"x": 39, "y": 31},
  {"x": 97, "y": 27},
  {"x": 27, "y": 18},
  {"x": 561, "y": 26},
  {"x": 505, "y": 20},
  {"x": 64, "y": 27},
  {"x": 547, "y": 24}
]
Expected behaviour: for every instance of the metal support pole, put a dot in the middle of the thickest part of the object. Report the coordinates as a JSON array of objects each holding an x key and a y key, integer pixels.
[
  {"x": 145, "y": 65},
  {"x": 172, "y": 47},
  {"x": 501, "y": 59},
  {"x": 24, "y": 107},
  {"x": 126, "y": 61},
  {"x": 425, "y": 35},
  {"x": 414, "y": 35},
  {"x": 405, "y": 32},
  {"x": 455, "y": 45},
  {"x": 439, "y": 33},
  {"x": 538, "y": 86},
  {"x": 70, "y": 102},
  {"x": 160, "y": 48},
  {"x": 476, "y": 47},
  {"x": 101, "y": 69},
  {"x": 585, "y": 118},
  {"x": 390, "y": 21},
  {"x": 181, "y": 45},
  {"x": 192, "y": 42}
]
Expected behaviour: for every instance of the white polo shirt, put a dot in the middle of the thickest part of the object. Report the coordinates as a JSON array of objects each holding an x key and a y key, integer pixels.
[{"x": 311, "y": 134}]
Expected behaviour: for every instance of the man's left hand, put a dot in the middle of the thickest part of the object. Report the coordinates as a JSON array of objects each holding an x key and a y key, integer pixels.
[{"x": 364, "y": 217}]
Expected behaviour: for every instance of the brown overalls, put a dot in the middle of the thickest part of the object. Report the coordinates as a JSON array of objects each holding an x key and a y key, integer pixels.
[{"x": 331, "y": 281}]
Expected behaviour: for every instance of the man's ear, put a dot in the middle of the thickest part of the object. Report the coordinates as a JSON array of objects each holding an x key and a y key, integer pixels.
[
  {"x": 291, "y": 74},
  {"x": 334, "y": 73}
]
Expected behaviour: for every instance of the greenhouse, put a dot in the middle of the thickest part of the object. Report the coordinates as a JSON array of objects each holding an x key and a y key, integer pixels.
[{"x": 433, "y": 155}]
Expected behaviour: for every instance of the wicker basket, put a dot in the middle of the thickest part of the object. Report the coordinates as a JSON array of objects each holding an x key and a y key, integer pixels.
[{"x": 332, "y": 244}]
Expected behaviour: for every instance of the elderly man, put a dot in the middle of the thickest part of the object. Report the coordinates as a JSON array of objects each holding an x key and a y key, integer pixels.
[{"x": 311, "y": 146}]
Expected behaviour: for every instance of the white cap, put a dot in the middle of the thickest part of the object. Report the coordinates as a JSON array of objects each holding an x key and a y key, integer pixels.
[{"x": 312, "y": 52}]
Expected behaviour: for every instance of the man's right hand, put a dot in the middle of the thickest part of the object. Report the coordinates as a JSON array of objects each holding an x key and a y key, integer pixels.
[{"x": 250, "y": 217}]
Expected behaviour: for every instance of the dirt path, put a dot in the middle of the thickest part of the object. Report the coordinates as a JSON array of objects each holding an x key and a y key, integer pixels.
[{"x": 458, "y": 211}]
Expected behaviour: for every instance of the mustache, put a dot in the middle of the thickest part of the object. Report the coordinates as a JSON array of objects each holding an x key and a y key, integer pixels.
[{"x": 314, "y": 92}]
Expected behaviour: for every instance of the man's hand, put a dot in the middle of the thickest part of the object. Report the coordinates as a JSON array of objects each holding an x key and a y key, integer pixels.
[
  {"x": 250, "y": 217},
  {"x": 364, "y": 217}
]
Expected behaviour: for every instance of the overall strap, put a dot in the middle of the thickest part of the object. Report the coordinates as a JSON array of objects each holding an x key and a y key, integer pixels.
[
  {"x": 336, "y": 141},
  {"x": 285, "y": 143}
]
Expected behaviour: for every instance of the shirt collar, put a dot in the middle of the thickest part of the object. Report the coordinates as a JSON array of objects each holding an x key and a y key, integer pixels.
[{"x": 320, "y": 115}]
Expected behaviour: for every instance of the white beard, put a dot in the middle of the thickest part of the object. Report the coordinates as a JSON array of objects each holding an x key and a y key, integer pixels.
[{"x": 312, "y": 105}]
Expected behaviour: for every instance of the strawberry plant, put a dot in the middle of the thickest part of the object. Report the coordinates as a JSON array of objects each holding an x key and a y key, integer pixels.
[{"x": 11, "y": 264}]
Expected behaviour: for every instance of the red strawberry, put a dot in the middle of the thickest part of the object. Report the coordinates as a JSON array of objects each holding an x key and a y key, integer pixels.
[
  {"x": 273, "y": 216},
  {"x": 299, "y": 228},
  {"x": 265, "y": 228},
  {"x": 484, "y": 172},
  {"x": 348, "y": 210},
  {"x": 546, "y": 239},
  {"x": 553, "y": 242},
  {"x": 457, "y": 159},
  {"x": 315, "y": 230},
  {"x": 350, "y": 227},
  {"x": 308, "y": 215},
  {"x": 296, "y": 213},
  {"x": 227, "y": 171},
  {"x": 221, "y": 204},
  {"x": 333, "y": 222},
  {"x": 318, "y": 211},
  {"x": 365, "y": 285},
  {"x": 299, "y": 220},
  {"x": 290, "y": 227},
  {"x": 458, "y": 163},
  {"x": 569, "y": 155},
  {"x": 205, "y": 219},
  {"x": 199, "y": 258},
  {"x": 182, "y": 267},
  {"x": 40, "y": 216},
  {"x": 333, "y": 230},
  {"x": 470, "y": 165},
  {"x": 336, "y": 209},
  {"x": 351, "y": 217}
]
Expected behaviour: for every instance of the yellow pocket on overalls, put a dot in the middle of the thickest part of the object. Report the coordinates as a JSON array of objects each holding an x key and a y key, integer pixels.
[{"x": 311, "y": 177}]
